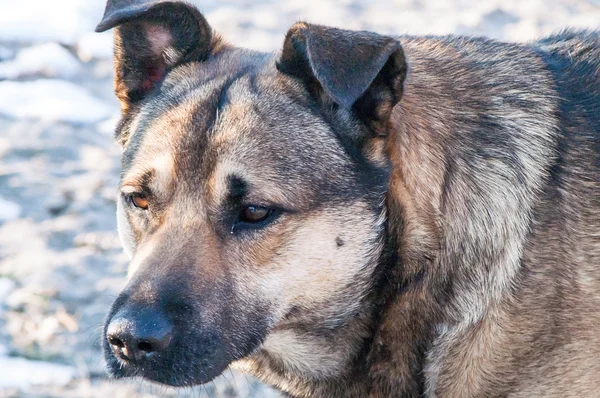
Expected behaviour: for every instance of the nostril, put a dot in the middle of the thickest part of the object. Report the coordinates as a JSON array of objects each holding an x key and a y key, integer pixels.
[
  {"x": 116, "y": 342},
  {"x": 137, "y": 337},
  {"x": 144, "y": 346}
]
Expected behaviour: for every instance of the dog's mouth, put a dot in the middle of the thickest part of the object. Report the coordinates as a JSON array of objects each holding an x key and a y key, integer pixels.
[
  {"x": 184, "y": 364},
  {"x": 159, "y": 347},
  {"x": 154, "y": 372}
]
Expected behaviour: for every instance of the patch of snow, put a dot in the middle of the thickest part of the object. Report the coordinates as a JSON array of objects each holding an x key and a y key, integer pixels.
[
  {"x": 48, "y": 60},
  {"x": 23, "y": 373},
  {"x": 51, "y": 100},
  {"x": 95, "y": 46},
  {"x": 6, "y": 287},
  {"x": 35, "y": 21},
  {"x": 6, "y": 53},
  {"x": 108, "y": 126},
  {"x": 9, "y": 210}
]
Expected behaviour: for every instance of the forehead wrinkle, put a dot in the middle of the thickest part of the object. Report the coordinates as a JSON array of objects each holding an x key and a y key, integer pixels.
[
  {"x": 201, "y": 108},
  {"x": 237, "y": 113},
  {"x": 179, "y": 104},
  {"x": 196, "y": 152},
  {"x": 264, "y": 187},
  {"x": 231, "y": 132},
  {"x": 274, "y": 145},
  {"x": 233, "y": 119},
  {"x": 209, "y": 98}
]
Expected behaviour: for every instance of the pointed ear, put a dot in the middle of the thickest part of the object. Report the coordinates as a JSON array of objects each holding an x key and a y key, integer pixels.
[
  {"x": 151, "y": 38},
  {"x": 361, "y": 71}
]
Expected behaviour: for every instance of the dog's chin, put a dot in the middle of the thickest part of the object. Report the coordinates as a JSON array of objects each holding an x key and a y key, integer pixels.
[
  {"x": 169, "y": 373},
  {"x": 117, "y": 369}
]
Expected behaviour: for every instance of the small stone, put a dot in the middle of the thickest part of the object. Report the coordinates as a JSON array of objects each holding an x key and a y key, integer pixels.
[{"x": 58, "y": 203}]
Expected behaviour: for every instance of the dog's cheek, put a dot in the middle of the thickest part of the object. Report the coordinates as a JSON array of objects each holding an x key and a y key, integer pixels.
[
  {"x": 316, "y": 279},
  {"x": 331, "y": 253},
  {"x": 125, "y": 231}
]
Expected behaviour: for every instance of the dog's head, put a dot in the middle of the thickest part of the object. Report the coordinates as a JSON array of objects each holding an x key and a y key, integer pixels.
[{"x": 252, "y": 193}]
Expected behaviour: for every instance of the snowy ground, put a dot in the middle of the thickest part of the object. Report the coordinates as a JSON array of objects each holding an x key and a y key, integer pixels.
[{"x": 60, "y": 260}]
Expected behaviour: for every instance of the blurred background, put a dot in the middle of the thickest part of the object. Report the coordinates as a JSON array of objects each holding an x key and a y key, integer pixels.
[{"x": 61, "y": 264}]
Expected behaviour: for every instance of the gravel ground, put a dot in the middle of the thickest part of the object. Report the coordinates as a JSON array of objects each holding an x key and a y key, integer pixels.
[{"x": 61, "y": 264}]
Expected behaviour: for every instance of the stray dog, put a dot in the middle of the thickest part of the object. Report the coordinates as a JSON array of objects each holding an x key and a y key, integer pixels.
[{"x": 358, "y": 215}]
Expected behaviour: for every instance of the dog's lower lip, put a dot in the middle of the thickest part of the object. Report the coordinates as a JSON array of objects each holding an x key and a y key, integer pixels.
[
  {"x": 171, "y": 381},
  {"x": 118, "y": 368}
]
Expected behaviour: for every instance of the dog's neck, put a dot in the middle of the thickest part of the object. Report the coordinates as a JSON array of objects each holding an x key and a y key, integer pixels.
[
  {"x": 410, "y": 293},
  {"x": 412, "y": 306}
]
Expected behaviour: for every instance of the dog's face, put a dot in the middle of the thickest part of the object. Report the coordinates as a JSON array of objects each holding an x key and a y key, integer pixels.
[{"x": 252, "y": 193}]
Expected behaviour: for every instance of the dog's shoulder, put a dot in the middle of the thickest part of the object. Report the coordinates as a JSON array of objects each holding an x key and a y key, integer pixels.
[
  {"x": 523, "y": 123},
  {"x": 476, "y": 52},
  {"x": 573, "y": 59},
  {"x": 479, "y": 70},
  {"x": 576, "y": 45},
  {"x": 572, "y": 52}
]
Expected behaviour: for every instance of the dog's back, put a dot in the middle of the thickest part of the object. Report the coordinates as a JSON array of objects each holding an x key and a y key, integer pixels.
[
  {"x": 561, "y": 274},
  {"x": 509, "y": 136}
]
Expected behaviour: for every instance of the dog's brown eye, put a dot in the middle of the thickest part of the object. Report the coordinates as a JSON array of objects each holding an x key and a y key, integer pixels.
[
  {"x": 139, "y": 201},
  {"x": 254, "y": 214}
]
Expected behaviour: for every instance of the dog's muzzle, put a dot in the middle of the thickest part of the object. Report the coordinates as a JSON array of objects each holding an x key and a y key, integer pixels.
[{"x": 137, "y": 337}]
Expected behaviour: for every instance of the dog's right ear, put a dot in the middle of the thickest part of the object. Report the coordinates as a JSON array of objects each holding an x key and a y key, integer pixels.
[
  {"x": 151, "y": 38},
  {"x": 361, "y": 71}
]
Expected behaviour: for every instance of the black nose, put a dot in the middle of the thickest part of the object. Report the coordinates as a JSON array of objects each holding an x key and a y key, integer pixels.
[{"x": 137, "y": 336}]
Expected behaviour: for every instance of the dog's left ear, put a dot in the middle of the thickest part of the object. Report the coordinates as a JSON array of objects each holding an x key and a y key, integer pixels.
[
  {"x": 151, "y": 38},
  {"x": 361, "y": 71}
]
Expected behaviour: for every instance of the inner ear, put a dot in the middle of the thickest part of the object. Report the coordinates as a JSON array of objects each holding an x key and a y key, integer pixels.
[
  {"x": 375, "y": 105},
  {"x": 150, "y": 39},
  {"x": 359, "y": 71}
]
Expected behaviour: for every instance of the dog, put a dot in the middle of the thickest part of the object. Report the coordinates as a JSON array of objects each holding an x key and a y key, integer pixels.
[{"x": 357, "y": 215}]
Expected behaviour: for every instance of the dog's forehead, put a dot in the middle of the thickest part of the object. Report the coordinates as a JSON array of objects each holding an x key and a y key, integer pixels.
[{"x": 223, "y": 118}]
